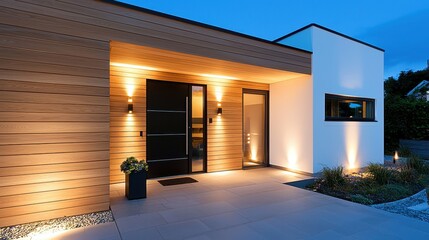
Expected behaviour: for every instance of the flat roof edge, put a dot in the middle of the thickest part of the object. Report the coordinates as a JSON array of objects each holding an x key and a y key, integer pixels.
[
  {"x": 329, "y": 30},
  {"x": 200, "y": 24}
]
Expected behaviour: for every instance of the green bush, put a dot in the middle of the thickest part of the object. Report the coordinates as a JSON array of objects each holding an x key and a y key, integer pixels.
[
  {"x": 417, "y": 164},
  {"x": 424, "y": 180},
  {"x": 358, "y": 198},
  {"x": 407, "y": 175},
  {"x": 333, "y": 177},
  {"x": 380, "y": 174},
  {"x": 404, "y": 151},
  {"x": 392, "y": 192},
  {"x": 404, "y": 118}
]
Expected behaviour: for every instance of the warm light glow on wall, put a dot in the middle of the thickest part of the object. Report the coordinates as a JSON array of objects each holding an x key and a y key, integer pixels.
[
  {"x": 352, "y": 144},
  {"x": 218, "y": 76},
  {"x": 218, "y": 94},
  {"x": 292, "y": 158},
  {"x": 125, "y": 65},
  {"x": 130, "y": 120},
  {"x": 130, "y": 84}
]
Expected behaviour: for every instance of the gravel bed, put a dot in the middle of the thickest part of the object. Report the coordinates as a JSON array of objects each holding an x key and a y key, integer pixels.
[
  {"x": 402, "y": 206},
  {"x": 59, "y": 224}
]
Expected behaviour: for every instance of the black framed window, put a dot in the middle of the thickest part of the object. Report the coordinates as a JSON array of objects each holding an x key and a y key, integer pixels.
[{"x": 345, "y": 108}]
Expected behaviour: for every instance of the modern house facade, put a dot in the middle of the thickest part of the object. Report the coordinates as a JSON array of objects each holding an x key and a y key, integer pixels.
[{"x": 85, "y": 85}]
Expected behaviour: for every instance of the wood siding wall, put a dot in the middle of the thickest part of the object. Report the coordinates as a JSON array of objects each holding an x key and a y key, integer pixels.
[
  {"x": 224, "y": 135},
  {"x": 54, "y": 125},
  {"x": 54, "y": 98}
]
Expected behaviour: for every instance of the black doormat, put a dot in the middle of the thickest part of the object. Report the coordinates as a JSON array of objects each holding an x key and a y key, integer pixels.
[{"x": 177, "y": 181}]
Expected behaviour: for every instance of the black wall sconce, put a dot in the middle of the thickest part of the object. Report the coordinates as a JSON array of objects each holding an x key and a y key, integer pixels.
[
  {"x": 130, "y": 105},
  {"x": 219, "y": 109}
]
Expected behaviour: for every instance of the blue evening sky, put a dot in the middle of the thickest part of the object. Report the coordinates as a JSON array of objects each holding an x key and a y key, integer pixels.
[{"x": 401, "y": 27}]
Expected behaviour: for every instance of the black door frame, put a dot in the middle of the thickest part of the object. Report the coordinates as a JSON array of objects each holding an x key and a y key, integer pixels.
[{"x": 266, "y": 93}]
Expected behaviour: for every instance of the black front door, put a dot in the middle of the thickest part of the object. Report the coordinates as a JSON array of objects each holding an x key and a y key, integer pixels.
[{"x": 169, "y": 131}]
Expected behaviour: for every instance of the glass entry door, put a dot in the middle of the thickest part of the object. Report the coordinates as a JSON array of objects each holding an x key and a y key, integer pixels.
[
  {"x": 198, "y": 132},
  {"x": 255, "y": 139}
]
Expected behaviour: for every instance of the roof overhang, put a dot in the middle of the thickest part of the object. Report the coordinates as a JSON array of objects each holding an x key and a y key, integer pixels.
[{"x": 155, "y": 59}]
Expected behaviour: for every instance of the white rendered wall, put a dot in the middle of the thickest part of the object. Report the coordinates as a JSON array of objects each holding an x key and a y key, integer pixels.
[
  {"x": 343, "y": 66},
  {"x": 291, "y": 124}
]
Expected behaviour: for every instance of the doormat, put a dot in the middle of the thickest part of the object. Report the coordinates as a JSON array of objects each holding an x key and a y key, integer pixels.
[{"x": 177, "y": 181}]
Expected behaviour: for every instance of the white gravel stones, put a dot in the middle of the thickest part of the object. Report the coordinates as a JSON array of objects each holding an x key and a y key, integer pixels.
[
  {"x": 53, "y": 225},
  {"x": 404, "y": 206}
]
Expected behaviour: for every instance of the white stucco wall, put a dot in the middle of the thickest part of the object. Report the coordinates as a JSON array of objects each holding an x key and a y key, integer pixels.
[
  {"x": 344, "y": 67},
  {"x": 291, "y": 124}
]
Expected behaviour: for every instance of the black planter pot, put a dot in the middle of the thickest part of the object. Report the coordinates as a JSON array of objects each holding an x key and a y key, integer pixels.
[{"x": 135, "y": 185}]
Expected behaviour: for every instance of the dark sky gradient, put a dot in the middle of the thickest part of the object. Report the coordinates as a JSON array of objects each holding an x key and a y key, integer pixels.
[{"x": 401, "y": 27}]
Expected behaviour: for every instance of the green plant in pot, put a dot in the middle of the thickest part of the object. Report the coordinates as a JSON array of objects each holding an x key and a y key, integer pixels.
[{"x": 135, "y": 177}]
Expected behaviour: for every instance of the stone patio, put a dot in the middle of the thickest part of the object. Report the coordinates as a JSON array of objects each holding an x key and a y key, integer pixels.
[{"x": 245, "y": 204}]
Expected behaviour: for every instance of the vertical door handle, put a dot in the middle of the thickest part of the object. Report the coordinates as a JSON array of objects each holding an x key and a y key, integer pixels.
[{"x": 186, "y": 128}]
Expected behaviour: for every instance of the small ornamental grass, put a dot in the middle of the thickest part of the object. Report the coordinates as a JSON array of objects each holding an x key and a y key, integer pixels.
[
  {"x": 416, "y": 163},
  {"x": 333, "y": 177},
  {"x": 381, "y": 174},
  {"x": 377, "y": 184},
  {"x": 132, "y": 164}
]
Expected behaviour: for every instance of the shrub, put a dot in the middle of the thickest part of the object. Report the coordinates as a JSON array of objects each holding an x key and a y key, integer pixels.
[
  {"x": 358, "y": 198},
  {"x": 424, "y": 180},
  {"x": 333, "y": 177},
  {"x": 392, "y": 192},
  {"x": 404, "y": 151},
  {"x": 417, "y": 163},
  {"x": 407, "y": 175},
  {"x": 380, "y": 174}
]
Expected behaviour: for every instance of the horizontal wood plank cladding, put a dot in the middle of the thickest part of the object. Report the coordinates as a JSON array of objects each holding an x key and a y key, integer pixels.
[
  {"x": 52, "y": 158},
  {"x": 52, "y": 117},
  {"x": 53, "y": 148},
  {"x": 47, "y": 98},
  {"x": 21, "y": 210},
  {"x": 54, "y": 121},
  {"x": 51, "y": 108},
  {"x": 49, "y": 46},
  {"x": 64, "y": 79},
  {"x": 96, "y": 23},
  {"x": 52, "y": 127},
  {"x": 39, "y": 138},
  {"x": 52, "y": 186},
  {"x": 27, "y": 86}
]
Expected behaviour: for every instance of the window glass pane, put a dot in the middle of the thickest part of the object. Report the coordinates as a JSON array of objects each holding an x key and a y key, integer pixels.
[
  {"x": 197, "y": 129},
  {"x": 254, "y": 129},
  {"x": 347, "y": 108}
]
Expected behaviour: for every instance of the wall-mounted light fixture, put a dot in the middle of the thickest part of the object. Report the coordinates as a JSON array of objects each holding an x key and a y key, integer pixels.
[
  {"x": 130, "y": 105},
  {"x": 219, "y": 109}
]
